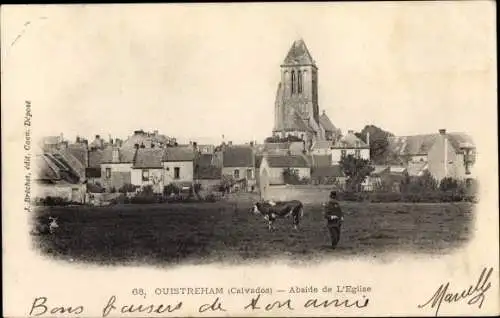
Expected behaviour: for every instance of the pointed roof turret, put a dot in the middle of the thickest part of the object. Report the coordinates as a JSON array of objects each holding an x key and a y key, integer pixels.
[{"x": 298, "y": 54}]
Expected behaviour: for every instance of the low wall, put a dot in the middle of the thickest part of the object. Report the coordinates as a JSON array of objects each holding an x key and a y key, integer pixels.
[
  {"x": 305, "y": 193},
  {"x": 68, "y": 192}
]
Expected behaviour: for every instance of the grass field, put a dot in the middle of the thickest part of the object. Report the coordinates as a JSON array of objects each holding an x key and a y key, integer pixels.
[{"x": 222, "y": 231}]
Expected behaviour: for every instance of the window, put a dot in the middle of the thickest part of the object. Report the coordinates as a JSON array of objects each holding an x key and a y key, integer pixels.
[
  {"x": 343, "y": 153},
  {"x": 357, "y": 153},
  {"x": 293, "y": 82},
  {"x": 177, "y": 173},
  {"x": 145, "y": 175},
  {"x": 299, "y": 78},
  {"x": 236, "y": 174},
  {"x": 249, "y": 174},
  {"x": 108, "y": 173}
]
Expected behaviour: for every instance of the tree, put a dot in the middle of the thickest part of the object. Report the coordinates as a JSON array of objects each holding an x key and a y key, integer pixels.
[
  {"x": 356, "y": 170},
  {"x": 291, "y": 176},
  {"x": 379, "y": 142}
]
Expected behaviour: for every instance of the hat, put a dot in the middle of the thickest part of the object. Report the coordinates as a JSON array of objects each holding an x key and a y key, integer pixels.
[{"x": 333, "y": 195}]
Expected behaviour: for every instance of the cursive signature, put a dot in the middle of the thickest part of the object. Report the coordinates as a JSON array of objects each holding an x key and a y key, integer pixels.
[{"x": 473, "y": 294}]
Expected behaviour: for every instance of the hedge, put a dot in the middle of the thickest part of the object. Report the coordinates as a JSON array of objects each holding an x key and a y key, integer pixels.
[{"x": 428, "y": 197}]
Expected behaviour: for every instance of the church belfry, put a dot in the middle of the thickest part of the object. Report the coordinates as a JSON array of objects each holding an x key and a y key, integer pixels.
[{"x": 296, "y": 108}]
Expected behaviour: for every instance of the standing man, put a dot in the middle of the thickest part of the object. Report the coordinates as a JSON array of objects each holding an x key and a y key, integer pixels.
[{"x": 334, "y": 218}]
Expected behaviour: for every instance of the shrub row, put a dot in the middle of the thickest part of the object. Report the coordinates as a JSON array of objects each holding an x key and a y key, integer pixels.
[{"x": 430, "y": 197}]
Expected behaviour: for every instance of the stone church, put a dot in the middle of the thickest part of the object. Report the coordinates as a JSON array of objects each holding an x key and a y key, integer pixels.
[{"x": 296, "y": 107}]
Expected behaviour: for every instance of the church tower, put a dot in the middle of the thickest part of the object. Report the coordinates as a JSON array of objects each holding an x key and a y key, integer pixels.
[{"x": 296, "y": 108}]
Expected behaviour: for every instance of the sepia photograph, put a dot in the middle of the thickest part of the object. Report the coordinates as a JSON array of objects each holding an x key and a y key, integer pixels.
[{"x": 179, "y": 136}]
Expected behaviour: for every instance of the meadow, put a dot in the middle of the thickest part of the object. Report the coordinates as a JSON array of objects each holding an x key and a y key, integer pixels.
[{"x": 201, "y": 233}]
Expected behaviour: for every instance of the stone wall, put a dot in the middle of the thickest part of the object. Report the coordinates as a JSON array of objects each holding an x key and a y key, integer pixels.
[{"x": 306, "y": 193}]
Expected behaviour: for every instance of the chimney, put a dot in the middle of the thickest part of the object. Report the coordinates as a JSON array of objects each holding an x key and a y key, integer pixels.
[
  {"x": 229, "y": 143},
  {"x": 442, "y": 133},
  {"x": 368, "y": 138},
  {"x": 155, "y": 133},
  {"x": 115, "y": 155}
]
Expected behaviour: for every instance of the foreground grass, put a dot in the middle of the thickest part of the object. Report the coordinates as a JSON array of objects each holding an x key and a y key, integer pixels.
[{"x": 227, "y": 232}]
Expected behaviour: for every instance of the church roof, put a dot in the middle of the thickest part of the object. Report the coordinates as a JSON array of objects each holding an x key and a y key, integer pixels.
[
  {"x": 298, "y": 54},
  {"x": 326, "y": 123}
]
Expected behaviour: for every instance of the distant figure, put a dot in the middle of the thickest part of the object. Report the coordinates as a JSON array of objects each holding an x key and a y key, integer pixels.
[{"x": 334, "y": 218}]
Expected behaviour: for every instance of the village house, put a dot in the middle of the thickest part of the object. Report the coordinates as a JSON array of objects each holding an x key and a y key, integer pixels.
[
  {"x": 55, "y": 178},
  {"x": 350, "y": 144},
  {"x": 331, "y": 175},
  {"x": 238, "y": 163},
  {"x": 209, "y": 177},
  {"x": 442, "y": 154},
  {"x": 178, "y": 165},
  {"x": 93, "y": 169},
  {"x": 321, "y": 147},
  {"x": 116, "y": 167},
  {"x": 147, "y": 169},
  {"x": 273, "y": 166}
]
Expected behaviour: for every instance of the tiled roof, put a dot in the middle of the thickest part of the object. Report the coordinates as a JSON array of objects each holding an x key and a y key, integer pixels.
[
  {"x": 126, "y": 155},
  {"x": 238, "y": 156},
  {"x": 412, "y": 145},
  {"x": 95, "y": 158},
  {"x": 61, "y": 170},
  {"x": 148, "y": 158},
  {"x": 208, "y": 173},
  {"x": 276, "y": 146},
  {"x": 145, "y": 139},
  {"x": 421, "y": 144},
  {"x": 321, "y": 160},
  {"x": 350, "y": 141},
  {"x": 204, "y": 160},
  {"x": 44, "y": 170},
  {"x": 178, "y": 154},
  {"x": 75, "y": 164},
  {"x": 331, "y": 171},
  {"x": 326, "y": 123},
  {"x": 298, "y": 54},
  {"x": 458, "y": 140},
  {"x": 279, "y": 161},
  {"x": 79, "y": 151}
]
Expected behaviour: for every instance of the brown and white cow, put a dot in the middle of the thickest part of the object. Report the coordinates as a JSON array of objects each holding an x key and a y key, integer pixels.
[{"x": 280, "y": 209}]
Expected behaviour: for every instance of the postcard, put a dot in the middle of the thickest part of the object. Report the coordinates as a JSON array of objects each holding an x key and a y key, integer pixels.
[{"x": 253, "y": 159}]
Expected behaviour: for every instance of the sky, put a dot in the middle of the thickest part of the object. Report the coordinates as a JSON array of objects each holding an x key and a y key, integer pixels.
[{"x": 197, "y": 72}]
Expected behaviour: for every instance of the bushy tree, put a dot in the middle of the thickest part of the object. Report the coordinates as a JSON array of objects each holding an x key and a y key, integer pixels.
[
  {"x": 379, "y": 142},
  {"x": 171, "y": 188},
  {"x": 127, "y": 188},
  {"x": 356, "y": 170},
  {"x": 291, "y": 176},
  {"x": 448, "y": 184}
]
